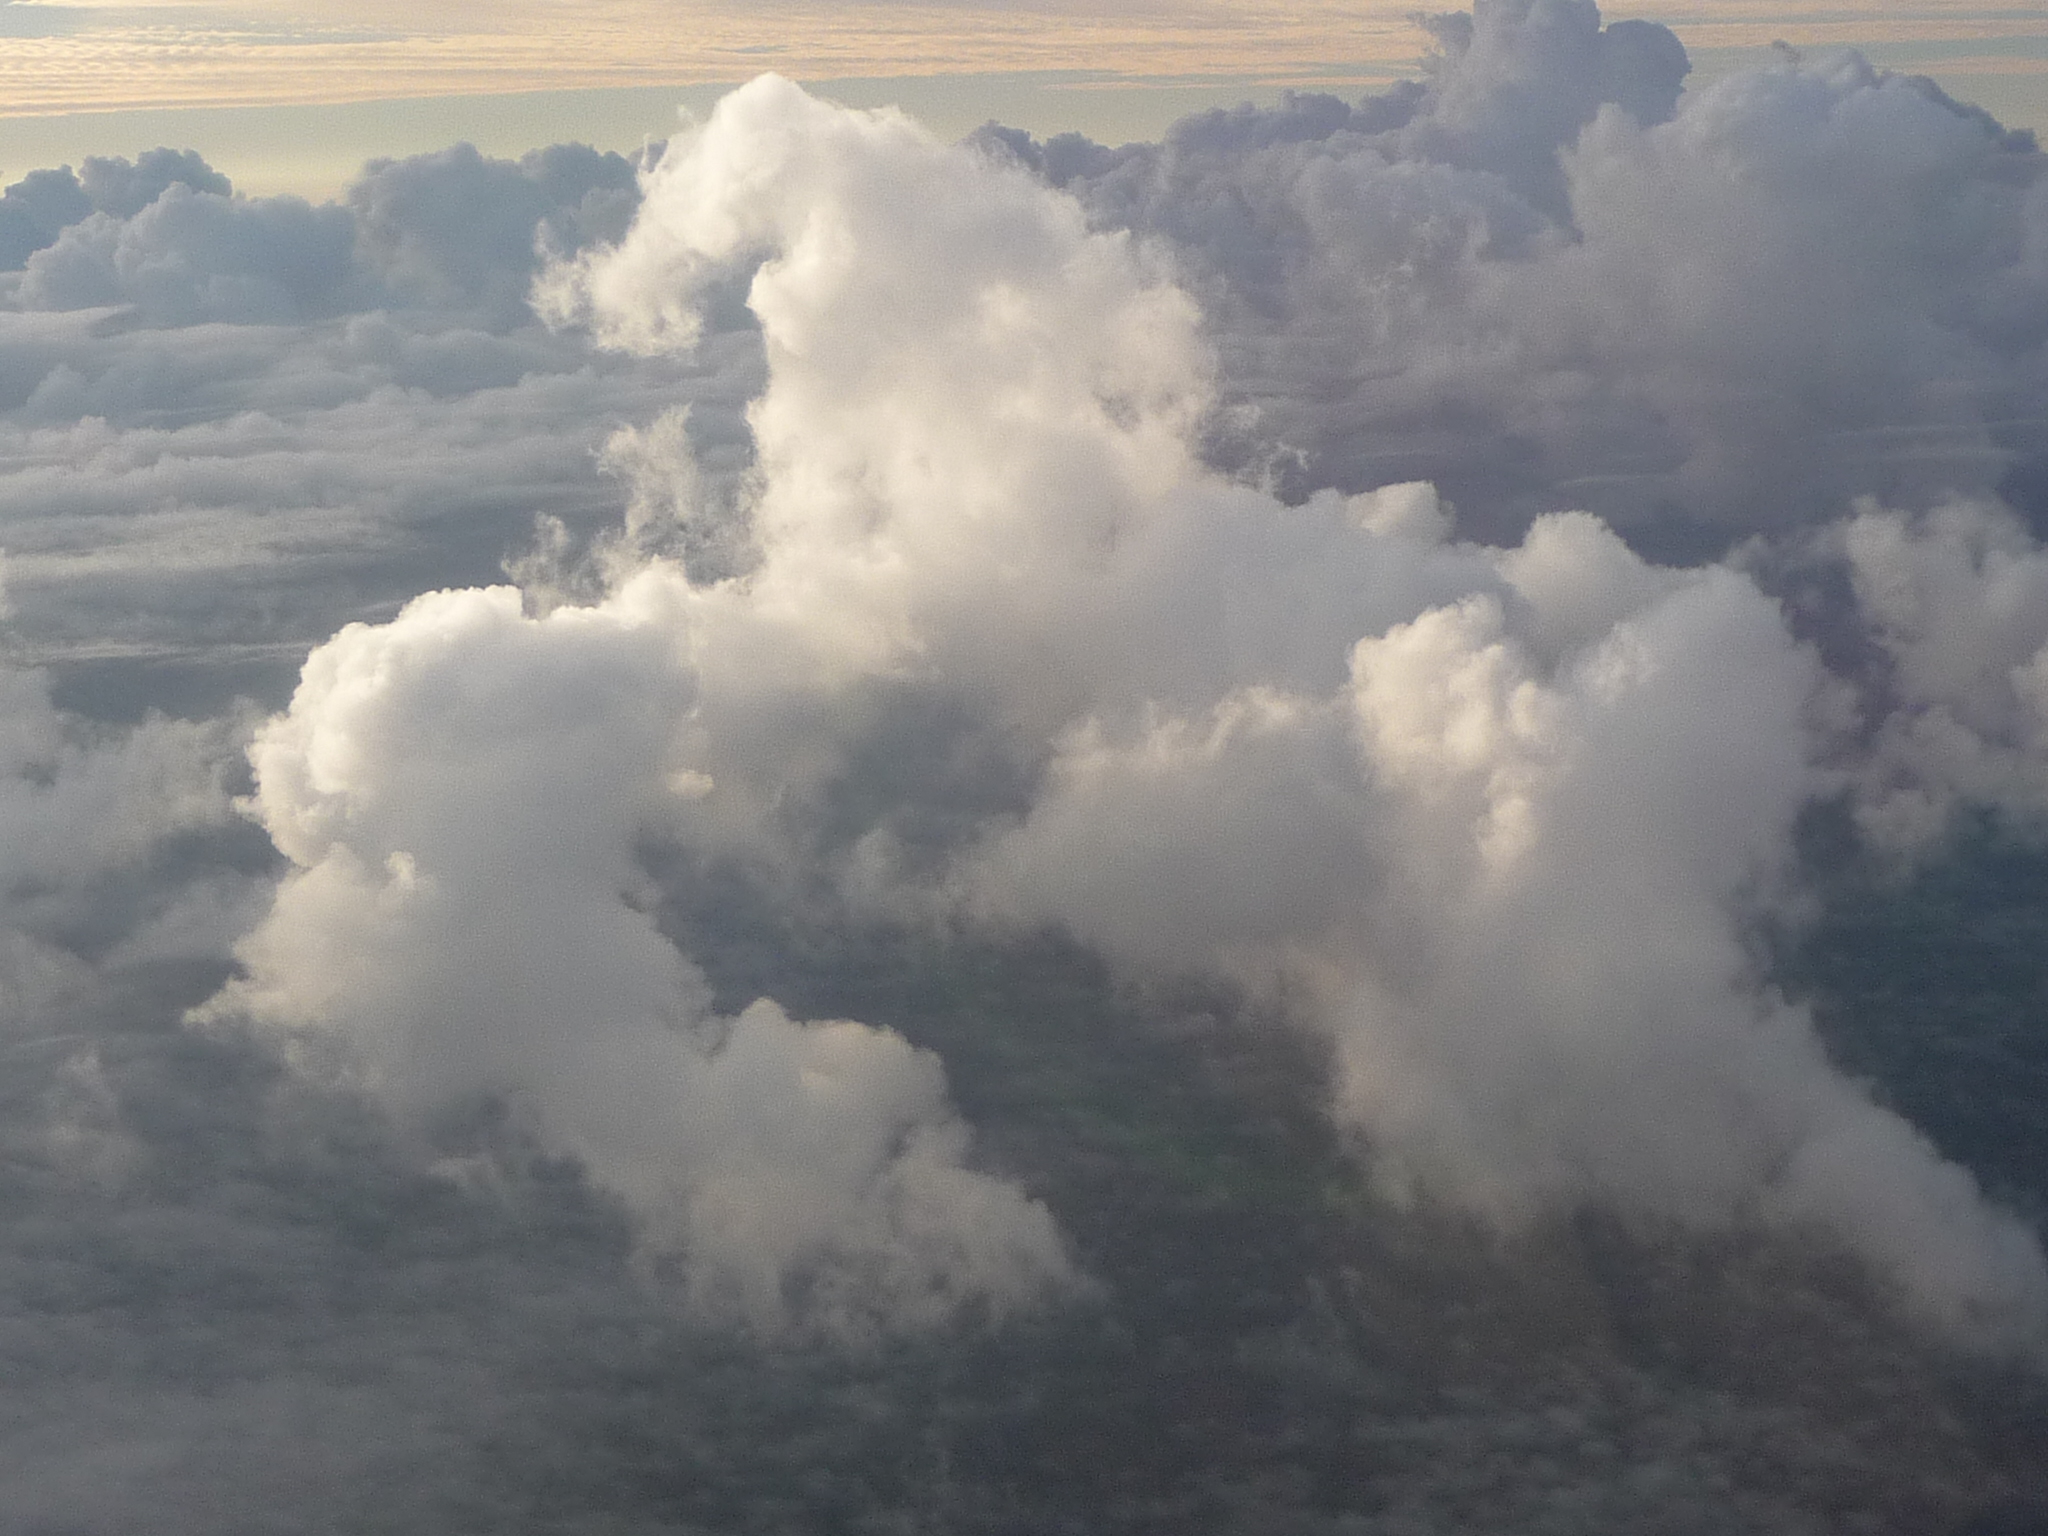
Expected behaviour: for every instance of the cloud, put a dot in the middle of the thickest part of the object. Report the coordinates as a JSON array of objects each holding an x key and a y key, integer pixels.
[
  {"x": 1499, "y": 812},
  {"x": 1297, "y": 682},
  {"x": 193, "y": 484},
  {"x": 1536, "y": 281},
  {"x": 461, "y": 792},
  {"x": 1957, "y": 605},
  {"x": 79, "y": 808},
  {"x": 456, "y": 230},
  {"x": 36, "y": 210},
  {"x": 111, "y": 866},
  {"x": 192, "y": 257},
  {"x": 1513, "y": 884},
  {"x": 450, "y": 232}
]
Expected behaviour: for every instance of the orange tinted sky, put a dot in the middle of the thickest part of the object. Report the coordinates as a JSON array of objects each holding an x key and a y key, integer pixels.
[
  {"x": 74, "y": 77},
  {"x": 57, "y": 57},
  {"x": 250, "y": 52}
]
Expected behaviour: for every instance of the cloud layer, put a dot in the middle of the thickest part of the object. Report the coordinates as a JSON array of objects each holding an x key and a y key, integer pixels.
[{"x": 900, "y": 803}]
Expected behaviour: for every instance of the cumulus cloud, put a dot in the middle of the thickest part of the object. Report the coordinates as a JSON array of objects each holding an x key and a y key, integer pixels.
[
  {"x": 457, "y": 230},
  {"x": 194, "y": 484},
  {"x": 454, "y": 232},
  {"x": 104, "y": 870},
  {"x": 461, "y": 792},
  {"x": 191, "y": 257},
  {"x": 1545, "y": 280},
  {"x": 36, "y": 210},
  {"x": 1500, "y": 811},
  {"x": 1957, "y": 604}
]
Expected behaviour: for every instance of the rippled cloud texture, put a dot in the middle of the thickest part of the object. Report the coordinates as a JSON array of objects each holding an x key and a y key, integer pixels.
[{"x": 713, "y": 844}]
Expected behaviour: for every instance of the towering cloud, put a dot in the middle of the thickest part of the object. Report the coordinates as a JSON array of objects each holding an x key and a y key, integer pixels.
[{"x": 1500, "y": 812}]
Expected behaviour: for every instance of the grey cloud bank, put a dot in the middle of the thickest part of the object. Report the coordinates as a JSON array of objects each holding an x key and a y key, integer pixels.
[
  {"x": 849, "y": 833},
  {"x": 1537, "y": 282}
]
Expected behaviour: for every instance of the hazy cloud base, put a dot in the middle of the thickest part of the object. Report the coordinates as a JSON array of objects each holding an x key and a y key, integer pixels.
[{"x": 1305, "y": 686}]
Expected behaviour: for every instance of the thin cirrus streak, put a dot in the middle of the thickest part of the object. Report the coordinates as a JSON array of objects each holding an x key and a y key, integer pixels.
[
  {"x": 93, "y": 58},
  {"x": 364, "y": 55}
]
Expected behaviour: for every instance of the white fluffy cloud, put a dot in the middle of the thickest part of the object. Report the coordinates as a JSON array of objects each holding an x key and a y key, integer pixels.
[
  {"x": 1500, "y": 812},
  {"x": 1957, "y": 602},
  {"x": 1513, "y": 884},
  {"x": 461, "y": 792}
]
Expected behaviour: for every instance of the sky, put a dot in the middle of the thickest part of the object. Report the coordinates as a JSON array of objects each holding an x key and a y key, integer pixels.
[
  {"x": 241, "y": 81},
  {"x": 1329, "y": 822}
]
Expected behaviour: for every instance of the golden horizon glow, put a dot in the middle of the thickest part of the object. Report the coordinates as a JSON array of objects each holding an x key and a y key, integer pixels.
[
  {"x": 58, "y": 58},
  {"x": 307, "y": 58}
]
